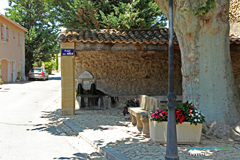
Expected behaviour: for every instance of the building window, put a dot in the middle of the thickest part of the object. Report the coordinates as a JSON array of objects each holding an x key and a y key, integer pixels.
[{"x": 4, "y": 33}]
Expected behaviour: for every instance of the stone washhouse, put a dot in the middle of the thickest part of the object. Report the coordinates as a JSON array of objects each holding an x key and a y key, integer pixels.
[{"x": 122, "y": 63}]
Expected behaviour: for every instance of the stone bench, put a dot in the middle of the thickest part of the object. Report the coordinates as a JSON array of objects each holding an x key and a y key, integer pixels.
[
  {"x": 139, "y": 115},
  {"x": 140, "y": 119}
]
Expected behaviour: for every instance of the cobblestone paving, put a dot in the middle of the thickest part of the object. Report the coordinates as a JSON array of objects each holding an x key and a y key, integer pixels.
[{"x": 110, "y": 128}]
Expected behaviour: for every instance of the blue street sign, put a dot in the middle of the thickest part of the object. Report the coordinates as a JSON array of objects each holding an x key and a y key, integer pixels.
[{"x": 67, "y": 52}]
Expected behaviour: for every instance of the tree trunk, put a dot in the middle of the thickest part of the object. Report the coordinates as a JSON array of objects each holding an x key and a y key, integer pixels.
[{"x": 208, "y": 79}]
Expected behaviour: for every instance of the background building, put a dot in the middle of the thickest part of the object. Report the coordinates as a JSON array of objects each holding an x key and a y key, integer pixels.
[{"x": 12, "y": 49}]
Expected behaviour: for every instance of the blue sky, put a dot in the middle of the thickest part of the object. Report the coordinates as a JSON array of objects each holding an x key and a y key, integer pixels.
[{"x": 4, "y": 4}]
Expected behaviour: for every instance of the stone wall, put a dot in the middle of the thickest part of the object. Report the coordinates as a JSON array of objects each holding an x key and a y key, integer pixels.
[
  {"x": 129, "y": 72},
  {"x": 235, "y": 57},
  {"x": 234, "y": 17}
]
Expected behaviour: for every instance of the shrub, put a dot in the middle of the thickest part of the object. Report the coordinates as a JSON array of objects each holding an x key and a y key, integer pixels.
[
  {"x": 49, "y": 66},
  {"x": 135, "y": 102}
]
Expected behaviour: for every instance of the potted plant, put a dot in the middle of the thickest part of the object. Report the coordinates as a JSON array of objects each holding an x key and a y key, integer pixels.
[
  {"x": 189, "y": 124},
  {"x": 135, "y": 102}
]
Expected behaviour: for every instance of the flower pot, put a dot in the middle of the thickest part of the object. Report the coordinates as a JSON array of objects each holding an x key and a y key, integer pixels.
[{"x": 186, "y": 133}]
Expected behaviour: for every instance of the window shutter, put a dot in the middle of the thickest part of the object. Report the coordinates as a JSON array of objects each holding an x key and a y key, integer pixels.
[
  {"x": 1, "y": 31},
  {"x": 7, "y": 34}
]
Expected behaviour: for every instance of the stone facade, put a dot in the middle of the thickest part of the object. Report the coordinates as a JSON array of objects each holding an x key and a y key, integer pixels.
[
  {"x": 235, "y": 57},
  {"x": 135, "y": 72},
  {"x": 234, "y": 17},
  {"x": 120, "y": 73}
]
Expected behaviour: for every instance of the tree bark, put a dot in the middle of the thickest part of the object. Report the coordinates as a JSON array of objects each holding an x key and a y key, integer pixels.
[{"x": 208, "y": 79}]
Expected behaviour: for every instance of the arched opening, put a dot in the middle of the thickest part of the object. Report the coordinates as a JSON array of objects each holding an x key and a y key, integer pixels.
[{"x": 4, "y": 70}]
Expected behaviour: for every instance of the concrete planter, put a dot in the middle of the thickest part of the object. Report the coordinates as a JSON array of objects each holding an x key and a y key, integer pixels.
[{"x": 186, "y": 133}]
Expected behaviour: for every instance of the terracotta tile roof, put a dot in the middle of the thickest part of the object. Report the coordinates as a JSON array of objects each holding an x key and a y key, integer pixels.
[
  {"x": 141, "y": 36},
  {"x": 147, "y": 36},
  {"x": 234, "y": 39},
  {"x": 13, "y": 22}
]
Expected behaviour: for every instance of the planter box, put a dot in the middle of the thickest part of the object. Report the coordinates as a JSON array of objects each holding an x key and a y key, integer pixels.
[{"x": 186, "y": 133}]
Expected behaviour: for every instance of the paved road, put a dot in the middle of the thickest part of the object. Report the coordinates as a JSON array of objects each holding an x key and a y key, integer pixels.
[{"x": 26, "y": 132}]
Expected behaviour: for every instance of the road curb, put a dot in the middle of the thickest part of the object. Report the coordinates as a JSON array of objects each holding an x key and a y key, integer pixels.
[{"x": 108, "y": 152}]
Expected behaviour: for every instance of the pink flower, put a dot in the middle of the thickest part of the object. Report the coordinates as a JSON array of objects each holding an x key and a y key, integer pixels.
[
  {"x": 156, "y": 112},
  {"x": 160, "y": 114}
]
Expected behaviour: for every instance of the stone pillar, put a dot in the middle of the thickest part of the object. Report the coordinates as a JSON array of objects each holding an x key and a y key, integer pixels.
[{"x": 68, "y": 81}]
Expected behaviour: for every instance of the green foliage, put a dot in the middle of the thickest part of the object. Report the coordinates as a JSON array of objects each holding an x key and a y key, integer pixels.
[
  {"x": 49, "y": 66},
  {"x": 56, "y": 67},
  {"x": 135, "y": 102},
  {"x": 121, "y": 14},
  {"x": 158, "y": 115},
  {"x": 1, "y": 80},
  {"x": 190, "y": 113},
  {"x": 185, "y": 112},
  {"x": 19, "y": 77},
  {"x": 38, "y": 17},
  {"x": 204, "y": 8},
  {"x": 38, "y": 64}
]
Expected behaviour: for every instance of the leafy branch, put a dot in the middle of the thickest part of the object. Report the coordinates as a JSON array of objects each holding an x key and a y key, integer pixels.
[{"x": 204, "y": 8}]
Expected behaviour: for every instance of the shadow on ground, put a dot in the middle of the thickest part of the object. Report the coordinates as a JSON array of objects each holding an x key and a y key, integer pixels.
[
  {"x": 54, "y": 78},
  {"x": 112, "y": 121},
  {"x": 79, "y": 156}
]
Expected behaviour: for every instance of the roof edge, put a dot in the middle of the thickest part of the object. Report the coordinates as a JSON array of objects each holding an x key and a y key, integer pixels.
[{"x": 14, "y": 23}]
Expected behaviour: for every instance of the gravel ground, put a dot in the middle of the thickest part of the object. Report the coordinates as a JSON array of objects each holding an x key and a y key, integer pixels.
[{"x": 110, "y": 128}]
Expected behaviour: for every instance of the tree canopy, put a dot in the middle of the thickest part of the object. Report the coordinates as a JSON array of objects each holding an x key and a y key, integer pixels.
[
  {"x": 43, "y": 18},
  {"x": 38, "y": 17},
  {"x": 118, "y": 14}
]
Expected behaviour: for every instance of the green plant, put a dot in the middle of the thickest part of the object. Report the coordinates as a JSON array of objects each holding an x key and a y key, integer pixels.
[
  {"x": 37, "y": 64},
  {"x": 204, "y": 130},
  {"x": 0, "y": 66},
  {"x": 1, "y": 80},
  {"x": 185, "y": 112},
  {"x": 191, "y": 114},
  {"x": 158, "y": 115},
  {"x": 135, "y": 102},
  {"x": 56, "y": 62},
  {"x": 204, "y": 8},
  {"x": 49, "y": 66},
  {"x": 19, "y": 77}
]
